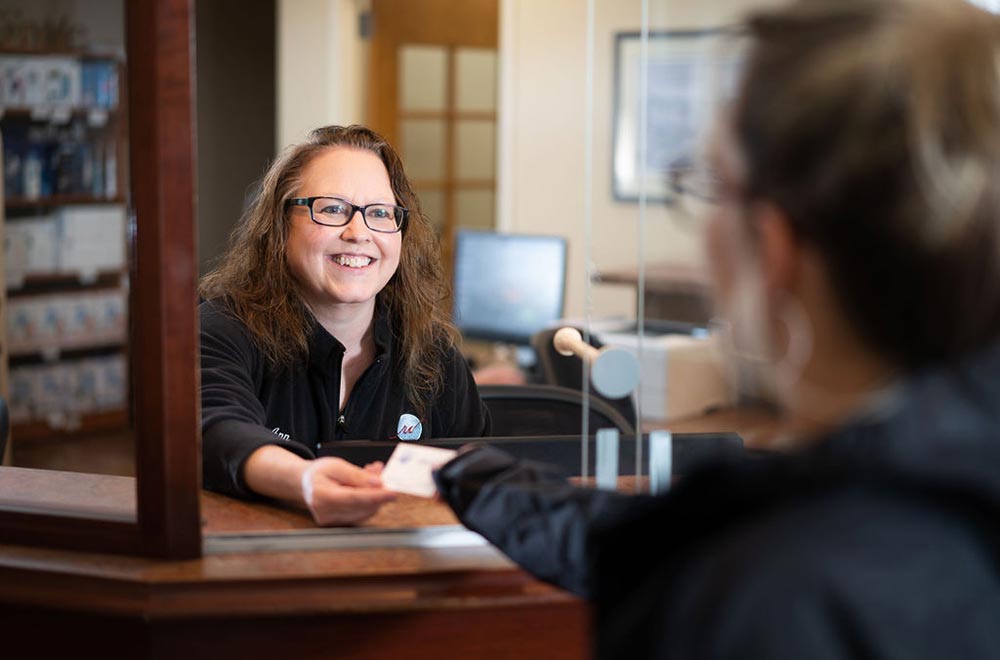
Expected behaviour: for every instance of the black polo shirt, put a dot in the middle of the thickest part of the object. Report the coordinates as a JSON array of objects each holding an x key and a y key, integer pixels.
[{"x": 246, "y": 403}]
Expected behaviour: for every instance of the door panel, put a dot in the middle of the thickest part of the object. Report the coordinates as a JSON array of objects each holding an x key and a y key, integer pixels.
[{"x": 433, "y": 95}]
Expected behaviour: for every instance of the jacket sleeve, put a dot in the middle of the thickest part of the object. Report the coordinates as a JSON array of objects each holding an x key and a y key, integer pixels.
[
  {"x": 532, "y": 513},
  {"x": 464, "y": 413},
  {"x": 233, "y": 418}
]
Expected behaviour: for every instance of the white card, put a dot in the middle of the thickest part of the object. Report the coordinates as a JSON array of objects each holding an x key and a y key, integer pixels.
[{"x": 410, "y": 466}]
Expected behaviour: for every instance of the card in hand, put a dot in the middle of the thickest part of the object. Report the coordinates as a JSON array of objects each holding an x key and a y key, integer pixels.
[{"x": 409, "y": 468}]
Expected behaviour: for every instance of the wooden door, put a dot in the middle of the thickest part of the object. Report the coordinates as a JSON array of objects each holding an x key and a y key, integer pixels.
[{"x": 432, "y": 92}]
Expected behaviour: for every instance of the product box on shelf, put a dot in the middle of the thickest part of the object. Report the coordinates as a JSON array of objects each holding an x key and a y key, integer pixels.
[
  {"x": 13, "y": 88},
  {"x": 72, "y": 158},
  {"x": 100, "y": 83},
  {"x": 61, "y": 81},
  {"x": 109, "y": 310},
  {"x": 51, "y": 388},
  {"x": 91, "y": 238},
  {"x": 22, "y": 384},
  {"x": 92, "y": 318},
  {"x": 40, "y": 82},
  {"x": 33, "y": 323},
  {"x": 59, "y": 393},
  {"x": 53, "y": 323},
  {"x": 15, "y": 149},
  {"x": 15, "y": 255},
  {"x": 111, "y": 390},
  {"x": 21, "y": 81},
  {"x": 29, "y": 248},
  {"x": 77, "y": 323},
  {"x": 82, "y": 387},
  {"x": 21, "y": 323}
]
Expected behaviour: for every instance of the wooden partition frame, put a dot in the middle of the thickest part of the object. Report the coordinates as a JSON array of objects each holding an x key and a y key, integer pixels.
[{"x": 159, "y": 80}]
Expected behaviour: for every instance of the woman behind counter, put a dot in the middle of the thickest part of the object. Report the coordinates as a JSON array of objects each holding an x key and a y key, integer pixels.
[
  {"x": 325, "y": 321},
  {"x": 855, "y": 243}
]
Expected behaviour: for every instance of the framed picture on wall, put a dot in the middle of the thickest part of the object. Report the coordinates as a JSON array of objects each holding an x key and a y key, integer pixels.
[{"x": 686, "y": 73}]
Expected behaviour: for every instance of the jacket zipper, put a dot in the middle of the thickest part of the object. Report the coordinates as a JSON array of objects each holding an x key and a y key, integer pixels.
[{"x": 342, "y": 417}]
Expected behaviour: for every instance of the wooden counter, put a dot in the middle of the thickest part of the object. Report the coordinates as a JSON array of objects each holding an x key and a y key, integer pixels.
[
  {"x": 398, "y": 602},
  {"x": 390, "y": 601}
]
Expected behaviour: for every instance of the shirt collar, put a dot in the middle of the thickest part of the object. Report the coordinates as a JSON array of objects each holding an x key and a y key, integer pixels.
[{"x": 324, "y": 347}]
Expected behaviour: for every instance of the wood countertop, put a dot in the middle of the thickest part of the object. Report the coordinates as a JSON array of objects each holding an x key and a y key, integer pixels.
[{"x": 351, "y": 579}]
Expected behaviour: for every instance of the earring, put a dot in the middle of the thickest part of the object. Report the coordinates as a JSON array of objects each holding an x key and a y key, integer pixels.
[{"x": 789, "y": 365}]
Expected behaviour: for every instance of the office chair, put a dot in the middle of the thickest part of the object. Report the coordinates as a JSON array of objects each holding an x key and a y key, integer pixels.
[
  {"x": 4, "y": 427},
  {"x": 526, "y": 410},
  {"x": 567, "y": 372}
]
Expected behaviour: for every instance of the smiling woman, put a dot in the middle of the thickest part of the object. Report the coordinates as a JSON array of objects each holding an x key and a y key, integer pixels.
[
  {"x": 342, "y": 255},
  {"x": 326, "y": 321}
]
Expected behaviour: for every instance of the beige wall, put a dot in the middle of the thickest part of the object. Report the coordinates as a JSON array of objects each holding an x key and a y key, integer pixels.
[
  {"x": 541, "y": 170},
  {"x": 235, "y": 106},
  {"x": 321, "y": 66},
  {"x": 541, "y": 129}
]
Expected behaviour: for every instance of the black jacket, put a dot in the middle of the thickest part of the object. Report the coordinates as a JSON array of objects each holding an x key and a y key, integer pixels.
[
  {"x": 882, "y": 541},
  {"x": 246, "y": 404}
]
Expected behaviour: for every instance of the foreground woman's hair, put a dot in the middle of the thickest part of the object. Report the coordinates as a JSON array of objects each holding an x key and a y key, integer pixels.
[{"x": 903, "y": 196}]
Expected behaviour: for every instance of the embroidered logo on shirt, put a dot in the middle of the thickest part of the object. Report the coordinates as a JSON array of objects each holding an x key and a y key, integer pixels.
[
  {"x": 409, "y": 427},
  {"x": 277, "y": 431}
]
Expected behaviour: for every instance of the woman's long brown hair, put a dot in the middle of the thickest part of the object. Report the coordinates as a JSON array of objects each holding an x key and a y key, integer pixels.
[{"x": 254, "y": 281}]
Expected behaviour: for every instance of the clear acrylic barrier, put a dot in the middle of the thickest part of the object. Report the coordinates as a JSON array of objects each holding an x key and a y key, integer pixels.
[{"x": 655, "y": 71}]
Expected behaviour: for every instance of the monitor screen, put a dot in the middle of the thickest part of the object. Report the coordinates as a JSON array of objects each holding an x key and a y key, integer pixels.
[{"x": 508, "y": 286}]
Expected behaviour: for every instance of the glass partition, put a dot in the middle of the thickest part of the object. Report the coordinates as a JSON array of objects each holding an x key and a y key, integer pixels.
[
  {"x": 584, "y": 123},
  {"x": 652, "y": 83}
]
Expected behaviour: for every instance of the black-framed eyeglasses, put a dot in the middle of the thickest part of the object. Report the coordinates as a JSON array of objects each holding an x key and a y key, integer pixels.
[
  {"x": 337, "y": 212},
  {"x": 700, "y": 183}
]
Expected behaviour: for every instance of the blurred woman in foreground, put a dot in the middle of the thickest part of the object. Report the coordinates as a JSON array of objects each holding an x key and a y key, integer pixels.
[{"x": 855, "y": 244}]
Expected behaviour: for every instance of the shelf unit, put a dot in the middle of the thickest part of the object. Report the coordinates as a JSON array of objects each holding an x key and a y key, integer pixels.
[
  {"x": 45, "y": 430},
  {"x": 64, "y": 307},
  {"x": 4, "y": 391},
  {"x": 53, "y": 201}
]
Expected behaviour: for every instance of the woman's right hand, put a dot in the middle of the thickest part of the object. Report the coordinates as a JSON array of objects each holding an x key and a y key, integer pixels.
[
  {"x": 338, "y": 493},
  {"x": 334, "y": 491}
]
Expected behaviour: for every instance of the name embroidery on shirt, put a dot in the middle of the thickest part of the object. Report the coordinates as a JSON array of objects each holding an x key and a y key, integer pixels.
[
  {"x": 277, "y": 431},
  {"x": 409, "y": 427}
]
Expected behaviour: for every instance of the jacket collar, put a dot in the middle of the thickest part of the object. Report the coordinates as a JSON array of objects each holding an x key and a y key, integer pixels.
[
  {"x": 938, "y": 406},
  {"x": 324, "y": 347},
  {"x": 942, "y": 434},
  {"x": 940, "y": 443}
]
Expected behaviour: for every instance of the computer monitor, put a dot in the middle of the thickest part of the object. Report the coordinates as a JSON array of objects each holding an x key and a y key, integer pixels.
[{"x": 508, "y": 286}]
